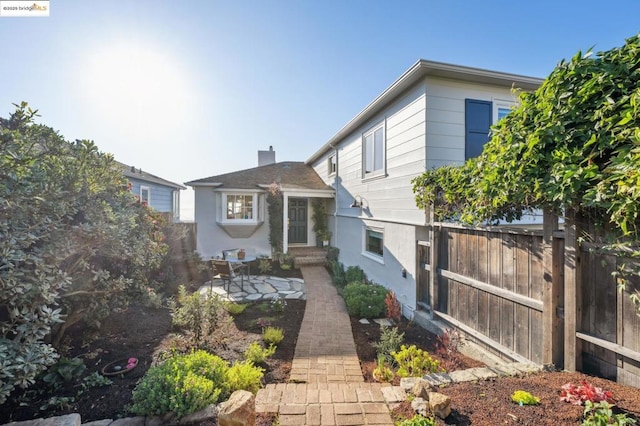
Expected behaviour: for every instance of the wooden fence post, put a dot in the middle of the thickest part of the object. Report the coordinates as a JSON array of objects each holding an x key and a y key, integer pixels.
[
  {"x": 552, "y": 349},
  {"x": 433, "y": 261},
  {"x": 572, "y": 292}
]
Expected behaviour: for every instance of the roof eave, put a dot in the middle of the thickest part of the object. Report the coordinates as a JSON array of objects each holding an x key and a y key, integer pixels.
[{"x": 416, "y": 72}]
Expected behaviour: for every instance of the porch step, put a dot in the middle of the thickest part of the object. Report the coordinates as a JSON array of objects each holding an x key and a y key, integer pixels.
[
  {"x": 310, "y": 260},
  {"x": 308, "y": 256}
]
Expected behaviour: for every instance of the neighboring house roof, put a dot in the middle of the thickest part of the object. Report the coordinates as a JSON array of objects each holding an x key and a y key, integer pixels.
[
  {"x": 289, "y": 174},
  {"x": 133, "y": 173},
  {"x": 418, "y": 71}
]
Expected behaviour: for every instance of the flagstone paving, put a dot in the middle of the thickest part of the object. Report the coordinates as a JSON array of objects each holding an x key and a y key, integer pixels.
[{"x": 258, "y": 287}]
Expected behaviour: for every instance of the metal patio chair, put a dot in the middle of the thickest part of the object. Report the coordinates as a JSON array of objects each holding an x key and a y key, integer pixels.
[{"x": 228, "y": 272}]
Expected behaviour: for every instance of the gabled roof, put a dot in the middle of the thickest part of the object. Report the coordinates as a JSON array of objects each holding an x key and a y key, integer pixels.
[
  {"x": 289, "y": 174},
  {"x": 417, "y": 72},
  {"x": 133, "y": 173}
]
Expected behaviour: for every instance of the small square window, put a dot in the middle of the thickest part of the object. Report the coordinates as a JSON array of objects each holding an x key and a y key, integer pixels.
[
  {"x": 332, "y": 165},
  {"x": 374, "y": 242}
]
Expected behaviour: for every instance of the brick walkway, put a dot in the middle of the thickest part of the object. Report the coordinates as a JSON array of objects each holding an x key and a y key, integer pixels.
[{"x": 326, "y": 385}]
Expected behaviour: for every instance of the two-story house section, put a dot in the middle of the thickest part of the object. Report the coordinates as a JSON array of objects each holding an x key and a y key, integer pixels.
[
  {"x": 158, "y": 193},
  {"x": 434, "y": 114}
]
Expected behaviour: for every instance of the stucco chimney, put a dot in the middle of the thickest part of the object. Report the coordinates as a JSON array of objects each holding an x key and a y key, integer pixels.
[{"x": 266, "y": 157}]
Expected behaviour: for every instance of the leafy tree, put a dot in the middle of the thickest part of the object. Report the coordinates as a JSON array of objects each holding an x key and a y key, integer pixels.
[{"x": 74, "y": 243}]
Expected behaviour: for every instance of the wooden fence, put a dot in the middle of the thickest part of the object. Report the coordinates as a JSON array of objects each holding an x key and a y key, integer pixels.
[{"x": 520, "y": 291}]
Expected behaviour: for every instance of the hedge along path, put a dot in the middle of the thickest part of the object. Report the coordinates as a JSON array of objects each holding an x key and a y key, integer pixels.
[{"x": 326, "y": 386}]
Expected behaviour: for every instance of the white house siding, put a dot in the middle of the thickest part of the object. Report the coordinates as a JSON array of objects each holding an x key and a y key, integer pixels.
[
  {"x": 212, "y": 238},
  {"x": 445, "y": 117},
  {"x": 390, "y": 199}
]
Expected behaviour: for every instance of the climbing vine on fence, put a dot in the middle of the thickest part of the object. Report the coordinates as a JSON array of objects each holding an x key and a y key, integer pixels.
[{"x": 574, "y": 142}]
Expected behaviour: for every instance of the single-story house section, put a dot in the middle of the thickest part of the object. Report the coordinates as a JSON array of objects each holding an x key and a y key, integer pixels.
[
  {"x": 160, "y": 194},
  {"x": 434, "y": 114},
  {"x": 231, "y": 209}
]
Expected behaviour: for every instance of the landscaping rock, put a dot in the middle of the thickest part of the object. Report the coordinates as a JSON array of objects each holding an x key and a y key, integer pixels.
[
  {"x": 407, "y": 383},
  {"x": 67, "y": 420},
  {"x": 103, "y": 422},
  {"x": 239, "y": 410},
  {"x": 420, "y": 406},
  {"x": 207, "y": 413},
  {"x": 130, "y": 421},
  {"x": 421, "y": 389},
  {"x": 440, "y": 404}
]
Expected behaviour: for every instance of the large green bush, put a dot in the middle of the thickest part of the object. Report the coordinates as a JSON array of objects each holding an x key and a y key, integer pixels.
[
  {"x": 75, "y": 245},
  {"x": 187, "y": 383},
  {"x": 365, "y": 300}
]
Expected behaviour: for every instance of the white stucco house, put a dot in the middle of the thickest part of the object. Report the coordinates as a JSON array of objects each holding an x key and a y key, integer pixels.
[
  {"x": 432, "y": 115},
  {"x": 231, "y": 209}
]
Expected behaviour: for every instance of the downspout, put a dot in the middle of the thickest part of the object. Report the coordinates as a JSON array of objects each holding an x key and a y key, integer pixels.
[{"x": 335, "y": 210}]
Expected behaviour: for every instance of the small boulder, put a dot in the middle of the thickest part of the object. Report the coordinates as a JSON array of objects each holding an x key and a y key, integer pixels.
[
  {"x": 440, "y": 404},
  {"x": 420, "y": 406},
  {"x": 208, "y": 413},
  {"x": 421, "y": 389},
  {"x": 239, "y": 410}
]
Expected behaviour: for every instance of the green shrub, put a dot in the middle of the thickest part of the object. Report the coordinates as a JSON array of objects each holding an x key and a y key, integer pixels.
[
  {"x": 333, "y": 253},
  {"x": 418, "y": 420},
  {"x": 235, "y": 308},
  {"x": 264, "y": 266},
  {"x": 365, "y": 300},
  {"x": 337, "y": 274},
  {"x": 183, "y": 384},
  {"x": 524, "y": 398},
  {"x": 257, "y": 354},
  {"x": 196, "y": 314},
  {"x": 414, "y": 362},
  {"x": 244, "y": 375},
  {"x": 382, "y": 372},
  {"x": 355, "y": 274},
  {"x": 390, "y": 341},
  {"x": 272, "y": 335},
  {"x": 600, "y": 414},
  {"x": 65, "y": 370}
]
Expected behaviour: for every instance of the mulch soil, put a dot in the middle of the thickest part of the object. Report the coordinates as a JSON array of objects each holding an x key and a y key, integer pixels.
[{"x": 146, "y": 333}]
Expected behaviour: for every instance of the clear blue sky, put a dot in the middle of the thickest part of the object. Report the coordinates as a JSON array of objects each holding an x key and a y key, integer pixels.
[{"x": 189, "y": 89}]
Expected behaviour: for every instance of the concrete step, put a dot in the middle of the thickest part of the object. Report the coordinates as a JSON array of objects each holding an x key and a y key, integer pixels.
[{"x": 310, "y": 261}]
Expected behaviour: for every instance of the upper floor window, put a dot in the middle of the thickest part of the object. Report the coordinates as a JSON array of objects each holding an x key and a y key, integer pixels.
[
  {"x": 479, "y": 116},
  {"x": 145, "y": 195},
  {"x": 240, "y": 206},
  {"x": 332, "y": 165},
  {"x": 501, "y": 108},
  {"x": 373, "y": 151}
]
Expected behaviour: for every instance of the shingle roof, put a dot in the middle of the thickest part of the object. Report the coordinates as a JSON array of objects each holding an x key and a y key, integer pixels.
[
  {"x": 289, "y": 174},
  {"x": 133, "y": 173}
]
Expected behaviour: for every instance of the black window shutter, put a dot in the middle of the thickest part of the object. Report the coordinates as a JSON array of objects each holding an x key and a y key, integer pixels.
[{"x": 477, "y": 121}]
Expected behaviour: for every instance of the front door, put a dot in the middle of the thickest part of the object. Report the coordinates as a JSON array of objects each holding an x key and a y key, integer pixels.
[{"x": 297, "y": 221}]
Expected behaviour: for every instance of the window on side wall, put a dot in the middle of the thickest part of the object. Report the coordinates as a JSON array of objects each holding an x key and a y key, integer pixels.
[
  {"x": 145, "y": 195},
  {"x": 332, "y": 166},
  {"x": 373, "y": 152},
  {"x": 374, "y": 243},
  {"x": 479, "y": 116},
  {"x": 239, "y": 206},
  {"x": 176, "y": 204}
]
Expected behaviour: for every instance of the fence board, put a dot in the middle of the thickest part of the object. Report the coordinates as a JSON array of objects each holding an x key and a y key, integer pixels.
[
  {"x": 536, "y": 282},
  {"x": 522, "y": 326},
  {"x": 495, "y": 276},
  {"x": 483, "y": 276},
  {"x": 507, "y": 323},
  {"x": 472, "y": 292}
]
